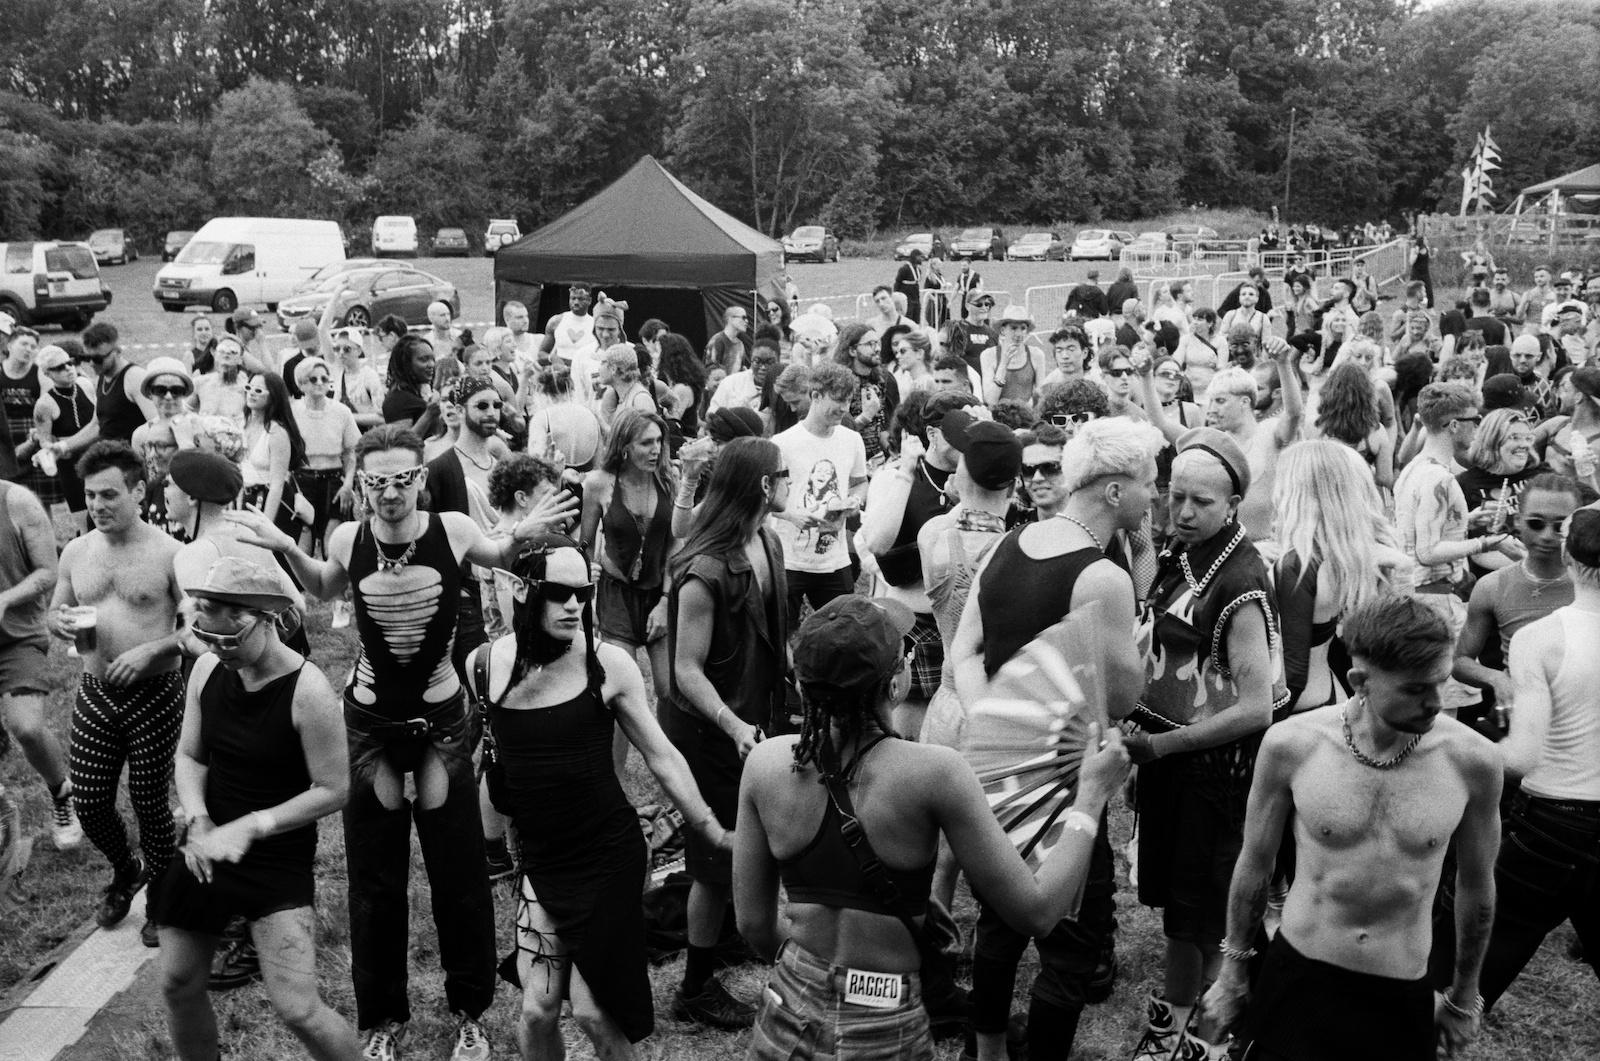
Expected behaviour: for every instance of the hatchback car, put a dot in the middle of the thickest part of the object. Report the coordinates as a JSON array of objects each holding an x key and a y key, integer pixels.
[
  {"x": 814, "y": 243},
  {"x": 931, "y": 244},
  {"x": 406, "y": 293},
  {"x": 1099, "y": 243},
  {"x": 451, "y": 243},
  {"x": 176, "y": 241},
  {"x": 1187, "y": 238},
  {"x": 113, "y": 246},
  {"x": 46, "y": 282},
  {"x": 987, "y": 243},
  {"x": 502, "y": 232},
  {"x": 1037, "y": 247}
]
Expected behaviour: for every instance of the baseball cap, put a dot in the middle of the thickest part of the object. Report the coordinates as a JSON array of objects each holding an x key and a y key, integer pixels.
[
  {"x": 234, "y": 580},
  {"x": 305, "y": 329},
  {"x": 53, "y": 356},
  {"x": 1583, "y": 537},
  {"x": 992, "y": 454},
  {"x": 206, "y": 476},
  {"x": 852, "y": 642},
  {"x": 1586, "y": 381},
  {"x": 244, "y": 315}
]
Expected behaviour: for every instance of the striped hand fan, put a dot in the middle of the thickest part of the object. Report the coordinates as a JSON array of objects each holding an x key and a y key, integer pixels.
[{"x": 1025, "y": 738}]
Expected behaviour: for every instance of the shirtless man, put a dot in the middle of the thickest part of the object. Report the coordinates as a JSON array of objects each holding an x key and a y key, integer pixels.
[
  {"x": 406, "y": 713},
  {"x": 130, "y": 700},
  {"x": 1376, "y": 788},
  {"x": 1230, "y": 407}
]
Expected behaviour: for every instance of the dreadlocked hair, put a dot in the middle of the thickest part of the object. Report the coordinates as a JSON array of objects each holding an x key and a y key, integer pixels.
[
  {"x": 824, "y": 708},
  {"x": 535, "y": 647}
]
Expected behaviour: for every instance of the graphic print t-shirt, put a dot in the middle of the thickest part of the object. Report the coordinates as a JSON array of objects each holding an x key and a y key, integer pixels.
[{"x": 820, "y": 471}]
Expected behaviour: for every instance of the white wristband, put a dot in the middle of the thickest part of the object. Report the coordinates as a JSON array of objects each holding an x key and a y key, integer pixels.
[
  {"x": 1083, "y": 823},
  {"x": 265, "y": 823}
]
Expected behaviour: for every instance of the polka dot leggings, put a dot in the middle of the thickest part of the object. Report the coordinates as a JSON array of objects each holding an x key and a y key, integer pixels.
[{"x": 137, "y": 724}]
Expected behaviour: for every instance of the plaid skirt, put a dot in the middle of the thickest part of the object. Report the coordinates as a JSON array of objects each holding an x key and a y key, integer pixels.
[{"x": 927, "y": 657}]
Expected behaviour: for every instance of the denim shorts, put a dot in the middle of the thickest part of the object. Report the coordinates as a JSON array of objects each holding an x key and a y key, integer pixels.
[
  {"x": 449, "y": 728},
  {"x": 803, "y": 1015}
]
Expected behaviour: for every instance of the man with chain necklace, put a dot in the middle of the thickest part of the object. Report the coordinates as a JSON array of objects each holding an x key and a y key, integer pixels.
[
  {"x": 1376, "y": 789},
  {"x": 405, "y": 712}
]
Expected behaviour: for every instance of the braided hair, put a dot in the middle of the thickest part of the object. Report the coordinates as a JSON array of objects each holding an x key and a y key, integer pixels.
[
  {"x": 535, "y": 645},
  {"x": 825, "y": 707}
]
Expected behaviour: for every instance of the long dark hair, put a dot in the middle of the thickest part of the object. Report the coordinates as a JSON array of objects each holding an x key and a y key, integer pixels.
[
  {"x": 402, "y": 371},
  {"x": 734, "y": 505},
  {"x": 825, "y": 707},
  {"x": 535, "y": 647},
  {"x": 1347, "y": 408},
  {"x": 279, "y": 411},
  {"x": 678, "y": 363}
]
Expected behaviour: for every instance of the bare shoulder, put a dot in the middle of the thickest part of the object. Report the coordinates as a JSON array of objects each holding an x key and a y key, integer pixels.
[
  {"x": 618, "y": 663},
  {"x": 771, "y": 760},
  {"x": 24, "y": 506},
  {"x": 599, "y": 481},
  {"x": 1473, "y": 754},
  {"x": 1298, "y": 735},
  {"x": 162, "y": 544}
]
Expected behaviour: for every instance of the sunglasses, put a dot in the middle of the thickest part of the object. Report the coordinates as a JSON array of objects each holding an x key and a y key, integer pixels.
[
  {"x": 162, "y": 390},
  {"x": 782, "y": 473},
  {"x": 484, "y": 407},
  {"x": 1538, "y": 524},
  {"x": 1168, "y": 375},
  {"x": 323, "y": 380},
  {"x": 1063, "y": 419},
  {"x": 224, "y": 642},
  {"x": 1467, "y": 420},
  {"x": 380, "y": 483},
  {"x": 1048, "y": 469},
  {"x": 1119, "y": 373},
  {"x": 554, "y": 592}
]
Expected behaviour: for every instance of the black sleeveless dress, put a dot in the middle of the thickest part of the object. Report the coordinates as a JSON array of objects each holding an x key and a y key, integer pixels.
[{"x": 581, "y": 847}]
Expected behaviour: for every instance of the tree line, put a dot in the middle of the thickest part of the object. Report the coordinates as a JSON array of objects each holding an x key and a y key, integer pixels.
[{"x": 862, "y": 114}]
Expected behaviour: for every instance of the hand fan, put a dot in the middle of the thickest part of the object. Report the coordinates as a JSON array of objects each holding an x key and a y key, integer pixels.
[{"x": 1025, "y": 739}]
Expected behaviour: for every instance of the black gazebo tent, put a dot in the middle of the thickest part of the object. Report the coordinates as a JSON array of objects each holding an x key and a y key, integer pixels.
[{"x": 646, "y": 240}]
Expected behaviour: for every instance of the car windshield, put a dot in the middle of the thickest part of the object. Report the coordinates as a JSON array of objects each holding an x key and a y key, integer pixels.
[
  {"x": 974, "y": 233},
  {"x": 178, "y": 237},
  {"x": 204, "y": 253},
  {"x": 920, "y": 237},
  {"x": 502, "y": 226},
  {"x": 393, "y": 222},
  {"x": 452, "y": 233},
  {"x": 354, "y": 279},
  {"x": 1035, "y": 237},
  {"x": 1093, "y": 233},
  {"x": 808, "y": 232},
  {"x": 105, "y": 236},
  {"x": 75, "y": 260}
]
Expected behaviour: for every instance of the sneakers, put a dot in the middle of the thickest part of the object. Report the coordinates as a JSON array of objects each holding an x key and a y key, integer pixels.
[
  {"x": 64, "y": 827},
  {"x": 236, "y": 962},
  {"x": 472, "y": 1043},
  {"x": 118, "y": 896},
  {"x": 341, "y": 614},
  {"x": 1163, "y": 1032},
  {"x": 383, "y": 1042},
  {"x": 713, "y": 1006},
  {"x": 1193, "y": 1048},
  {"x": 501, "y": 865}
]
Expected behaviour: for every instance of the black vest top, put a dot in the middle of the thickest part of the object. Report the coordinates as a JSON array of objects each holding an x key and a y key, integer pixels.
[
  {"x": 118, "y": 414},
  {"x": 254, "y": 757},
  {"x": 1020, "y": 596}
]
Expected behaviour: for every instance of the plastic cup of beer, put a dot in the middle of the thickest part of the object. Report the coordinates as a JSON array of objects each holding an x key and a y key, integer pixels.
[{"x": 85, "y": 620}]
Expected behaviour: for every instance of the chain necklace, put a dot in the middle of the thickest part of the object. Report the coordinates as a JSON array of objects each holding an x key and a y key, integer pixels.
[
  {"x": 1199, "y": 587},
  {"x": 389, "y": 565},
  {"x": 1366, "y": 760},
  {"x": 1538, "y": 583},
  {"x": 472, "y": 460},
  {"x": 1084, "y": 527}
]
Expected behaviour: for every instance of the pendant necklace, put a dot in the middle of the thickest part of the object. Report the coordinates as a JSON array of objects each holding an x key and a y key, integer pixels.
[
  {"x": 392, "y": 565},
  {"x": 1538, "y": 583}
]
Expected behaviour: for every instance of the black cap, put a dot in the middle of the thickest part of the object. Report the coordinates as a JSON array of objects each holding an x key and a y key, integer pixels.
[
  {"x": 206, "y": 476},
  {"x": 1503, "y": 391},
  {"x": 1583, "y": 537},
  {"x": 992, "y": 454}
]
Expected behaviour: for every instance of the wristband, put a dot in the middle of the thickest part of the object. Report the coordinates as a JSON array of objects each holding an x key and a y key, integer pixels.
[
  {"x": 716, "y": 720},
  {"x": 1475, "y": 1012},
  {"x": 1237, "y": 954},
  {"x": 265, "y": 823},
  {"x": 1078, "y": 821}
]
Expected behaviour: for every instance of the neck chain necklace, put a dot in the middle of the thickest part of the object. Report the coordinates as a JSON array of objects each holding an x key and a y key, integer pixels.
[
  {"x": 470, "y": 459},
  {"x": 1084, "y": 527},
  {"x": 392, "y": 565},
  {"x": 1536, "y": 582},
  {"x": 944, "y": 499},
  {"x": 1199, "y": 587},
  {"x": 1366, "y": 760}
]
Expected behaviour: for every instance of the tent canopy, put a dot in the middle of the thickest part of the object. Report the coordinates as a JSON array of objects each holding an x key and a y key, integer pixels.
[
  {"x": 1585, "y": 181},
  {"x": 646, "y": 230},
  {"x": 651, "y": 242}
]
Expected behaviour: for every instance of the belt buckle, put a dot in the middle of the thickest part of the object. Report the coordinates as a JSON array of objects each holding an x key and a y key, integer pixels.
[
  {"x": 873, "y": 990},
  {"x": 417, "y": 727}
]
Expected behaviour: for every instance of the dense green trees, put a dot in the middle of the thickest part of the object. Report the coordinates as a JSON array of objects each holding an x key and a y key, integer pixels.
[{"x": 159, "y": 113}]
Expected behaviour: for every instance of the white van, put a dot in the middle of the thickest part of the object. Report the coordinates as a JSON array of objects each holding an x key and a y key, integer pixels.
[
  {"x": 240, "y": 261},
  {"x": 394, "y": 234}
]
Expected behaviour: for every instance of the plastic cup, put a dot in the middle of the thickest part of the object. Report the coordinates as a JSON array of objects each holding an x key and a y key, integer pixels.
[{"x": 85, "y": 620}]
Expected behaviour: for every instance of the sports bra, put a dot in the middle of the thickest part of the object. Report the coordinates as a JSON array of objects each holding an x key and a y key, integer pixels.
[{"x": 826, "y": 872}]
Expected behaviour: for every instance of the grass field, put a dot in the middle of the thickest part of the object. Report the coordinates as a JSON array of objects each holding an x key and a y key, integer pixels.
[{"x": 1552, "y": 1013}]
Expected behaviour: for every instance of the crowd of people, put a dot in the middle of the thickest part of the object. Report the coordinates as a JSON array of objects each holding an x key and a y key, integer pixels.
[{"x": 1345, "y": 558}]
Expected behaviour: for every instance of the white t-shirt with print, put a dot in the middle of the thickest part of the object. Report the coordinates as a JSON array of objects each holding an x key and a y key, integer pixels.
[{"x": 820, "y": 471}]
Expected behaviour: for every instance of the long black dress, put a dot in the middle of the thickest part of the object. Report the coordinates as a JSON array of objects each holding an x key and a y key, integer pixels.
[{"x": 580, "y": 844}]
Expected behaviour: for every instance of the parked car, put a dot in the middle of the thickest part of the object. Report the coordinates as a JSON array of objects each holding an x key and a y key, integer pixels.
[
  {"x": 931, "y": 244},
  {"x": 234, "y": 261},
  {"x": 811, "y": 243},
  {"x": 176, "y": 241},
  {"x": 974, "y": 243},
  {"x": 50, "y": 282},
  {"x": 451, "y": 243},
  {"x": 502, "y": 232},
  {"x": 1186, "y": 239},
  {"x": 394, "y": 234},
  {"x": 113, "y": 246},
  {"x": 379, "y": 291},
  {"x": 1099, "y": 243},
  {"x": 1037, "y": 247}
]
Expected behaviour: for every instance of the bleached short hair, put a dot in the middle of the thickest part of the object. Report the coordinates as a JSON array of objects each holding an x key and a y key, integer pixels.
[
  {"x": 1109, "y": 446},
  {"x": 1233, "y": 380}
]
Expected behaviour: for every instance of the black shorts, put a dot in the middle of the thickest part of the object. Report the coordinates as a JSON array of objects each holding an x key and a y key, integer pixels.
[
  {"x": 253, "y": 888},
  {"x": 622, "y": 611},
  {"x": 1302, "y": 1009},
  {"x": 23, "y": 669},
  {"x": 714, "y": 761}
]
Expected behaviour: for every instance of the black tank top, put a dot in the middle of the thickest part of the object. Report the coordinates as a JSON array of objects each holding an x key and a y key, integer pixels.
[
  {"x": 406, "y": 617},
  {"x": 19, "y": 396},
  {"x": 76, "y": 410},
  {"x": 902, "y": 564},
  {"x": 254, "y": 757},
  {"x": 118, "y": 414},
  {"x": 638, "y": 546},
  {"x": 1020, "y": 596}
]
